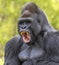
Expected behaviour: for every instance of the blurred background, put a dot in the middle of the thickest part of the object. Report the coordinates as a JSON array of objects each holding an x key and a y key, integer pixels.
[{"x": 10, "y": 12}]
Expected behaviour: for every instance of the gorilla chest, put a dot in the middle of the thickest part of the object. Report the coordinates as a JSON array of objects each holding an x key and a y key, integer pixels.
[{"x": 30, "y": 53}]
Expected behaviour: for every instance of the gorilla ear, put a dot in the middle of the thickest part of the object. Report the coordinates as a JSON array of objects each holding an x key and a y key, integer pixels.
[{"x": 46, "y": 27}]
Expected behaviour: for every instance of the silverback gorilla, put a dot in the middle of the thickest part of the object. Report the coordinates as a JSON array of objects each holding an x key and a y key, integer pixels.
[{"x": 37, "y": 42}]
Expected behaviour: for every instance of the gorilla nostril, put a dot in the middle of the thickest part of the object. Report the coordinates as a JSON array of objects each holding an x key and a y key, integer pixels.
[{"x": 24, "y": 27}]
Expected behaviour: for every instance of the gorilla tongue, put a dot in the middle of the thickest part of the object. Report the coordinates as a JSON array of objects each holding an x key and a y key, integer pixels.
[{"x": 26, "y": 37}]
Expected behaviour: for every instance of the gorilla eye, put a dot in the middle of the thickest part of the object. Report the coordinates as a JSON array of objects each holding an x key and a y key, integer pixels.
[
  {"x": 21, "y": 22},
  {"x": 25, "y": 21},
  {"x": 28, "y": 22}
]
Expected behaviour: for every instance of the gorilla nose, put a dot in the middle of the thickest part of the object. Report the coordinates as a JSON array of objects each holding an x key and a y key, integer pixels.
[{"x": 23, "y": 27}]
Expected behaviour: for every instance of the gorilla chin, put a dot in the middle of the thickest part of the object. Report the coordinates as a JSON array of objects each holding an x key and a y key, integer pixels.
[{"x": 26, "y": 37}]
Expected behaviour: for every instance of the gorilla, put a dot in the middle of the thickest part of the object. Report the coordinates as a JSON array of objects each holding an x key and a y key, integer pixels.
[{"x": 37, "y": 42}]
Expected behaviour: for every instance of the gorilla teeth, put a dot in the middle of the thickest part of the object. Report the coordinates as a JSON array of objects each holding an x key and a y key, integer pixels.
[
  {"x": 25, "y": 36},
  {"x": 24, "y": 33}
]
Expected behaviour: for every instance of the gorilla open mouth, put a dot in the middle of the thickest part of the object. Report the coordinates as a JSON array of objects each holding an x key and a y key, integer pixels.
[{"x": 25, "y": 36}]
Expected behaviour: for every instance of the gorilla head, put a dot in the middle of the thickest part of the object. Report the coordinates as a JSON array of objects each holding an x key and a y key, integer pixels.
[
  {"x": 28, "y": 26},
  {"x": 32, "y": 22}
]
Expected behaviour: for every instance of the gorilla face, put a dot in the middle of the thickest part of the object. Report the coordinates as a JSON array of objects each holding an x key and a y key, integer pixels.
[
  {"x": 28, "y": 27},
  {"x": 24, "y": 29}
]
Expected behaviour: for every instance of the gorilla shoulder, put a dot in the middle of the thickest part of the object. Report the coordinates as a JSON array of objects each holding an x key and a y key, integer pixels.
[
  {"x": 51, "y": 41},
  {"x": 13, "y": 41}
]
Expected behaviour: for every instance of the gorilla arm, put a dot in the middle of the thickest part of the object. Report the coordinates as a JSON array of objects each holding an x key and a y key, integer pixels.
[
  {"x": 11, "y": 51},
  {"x": 51, "y": 45}
]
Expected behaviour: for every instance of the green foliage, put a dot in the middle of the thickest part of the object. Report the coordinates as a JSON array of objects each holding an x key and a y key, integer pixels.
[
  {"x": 10, "y": 12},
  {"x": 1, "y": 61}
]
